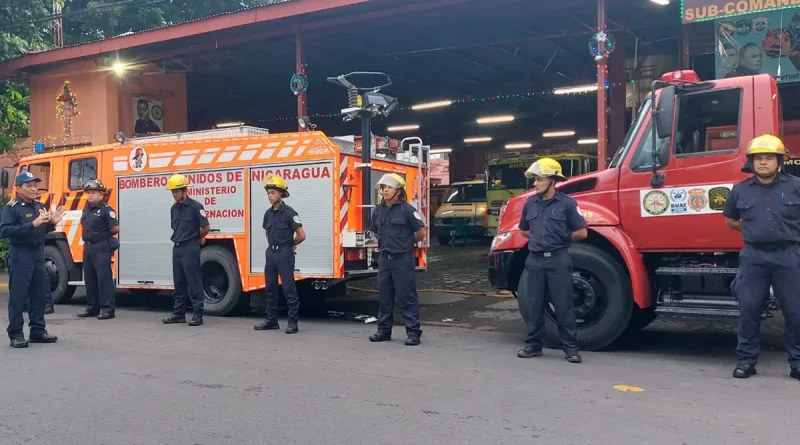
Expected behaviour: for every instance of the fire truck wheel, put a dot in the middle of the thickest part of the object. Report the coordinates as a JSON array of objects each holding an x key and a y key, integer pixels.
[
  {"x": 221, "y": 282},
  {"x": 443, "y": 241},
  {"x": 602, "y": 295},
  {"x": 55, "y": 266}
]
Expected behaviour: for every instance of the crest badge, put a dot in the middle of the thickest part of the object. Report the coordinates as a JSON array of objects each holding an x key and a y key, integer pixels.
[
  {"x": 717, "y": 197},
  {"x": 655, "y": 202},
  {"x": 697, "y": 199}
]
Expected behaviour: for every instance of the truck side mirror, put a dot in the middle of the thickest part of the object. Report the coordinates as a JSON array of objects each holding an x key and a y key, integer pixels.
[
  {"x": 4, "y": 179},
  {"x": 665, "y": 112}
]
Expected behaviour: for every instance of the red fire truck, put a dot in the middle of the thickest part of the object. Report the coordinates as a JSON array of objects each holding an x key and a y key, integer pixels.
[{"x": 657, "y": 237}]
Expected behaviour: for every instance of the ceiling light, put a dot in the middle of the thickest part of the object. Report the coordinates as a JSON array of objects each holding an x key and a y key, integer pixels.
[
  {"x": 587, "y": 141},
  {"x": 403, "y": 127},
  {"x": 660, "y": 2},
  {"x": 495, "y": 119},
  {"x": 518, "y": 145},
  {"x": 558, "y": 134},
  {"x": 229, "y": 124},
  {"x": 429, "y": 105},
  {"x": 441, "y": 150},
  {"x": 478, "y": 139},
  {"x": 119, "y": 68},
  {"x": 576, "y": 89}
]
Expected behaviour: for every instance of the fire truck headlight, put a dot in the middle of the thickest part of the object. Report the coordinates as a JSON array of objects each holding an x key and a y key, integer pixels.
[{"x": 500, "y": 239}]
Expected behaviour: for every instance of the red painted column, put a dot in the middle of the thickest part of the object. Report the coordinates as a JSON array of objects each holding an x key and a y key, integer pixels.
[
  {"x": 302, "y": 110},
  {"x": 602, "y": 136}
]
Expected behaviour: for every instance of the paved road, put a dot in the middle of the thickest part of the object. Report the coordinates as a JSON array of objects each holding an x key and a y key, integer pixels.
[{"x": 135, "y": 381}]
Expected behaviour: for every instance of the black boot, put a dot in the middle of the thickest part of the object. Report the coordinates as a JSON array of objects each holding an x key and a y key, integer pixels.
[
  {"x": 49, "y": 309},
  {"x": 106, "y": 316},
  {"x": 172, "y": 319},
  {"x": 86, "y": 314},
  {"x": 412, "y": 340},
  {"x": 44, "y": 337},
  {"x": 529, "y": 352},
  {"x": 380, "y": 336},
  {"x": 744, "y": 371},
  {"x": 19, "y": 342},
  {"x": 573, "y": 357},
  {"x": 267, "y": 325},
  {"x": 197, "y": 320},
  {"x": 795, "y": 373},
  {"x": 292, "y": 328}
]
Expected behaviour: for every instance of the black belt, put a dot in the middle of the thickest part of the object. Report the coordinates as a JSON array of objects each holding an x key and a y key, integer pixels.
[
  {"x": 548, "y": 254},
  {"x": 774, "y": 247},
  {"x": 184, "y": 243},
  {"x": 278, "y": 246},
  {"x": 392, "y": 256},
  {"x": 94, "y": 242}
]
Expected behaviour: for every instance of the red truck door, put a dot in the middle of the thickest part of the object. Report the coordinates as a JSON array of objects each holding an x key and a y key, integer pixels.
[{"x": 700, "y": 163}]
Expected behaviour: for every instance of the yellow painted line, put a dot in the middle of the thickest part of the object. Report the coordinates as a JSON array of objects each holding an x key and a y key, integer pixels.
[
  {"x": 442, "y": 291},
  {"x": 626, "y": 388}
]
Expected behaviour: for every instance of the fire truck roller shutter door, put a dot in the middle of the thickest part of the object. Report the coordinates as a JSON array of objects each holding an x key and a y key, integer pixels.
[{"x": 312, "y": 196}]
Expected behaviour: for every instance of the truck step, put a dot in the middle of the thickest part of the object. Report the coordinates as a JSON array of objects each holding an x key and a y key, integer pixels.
[
  {"x": 716, "y": 312},
  {"x": 696, "y": 271}
]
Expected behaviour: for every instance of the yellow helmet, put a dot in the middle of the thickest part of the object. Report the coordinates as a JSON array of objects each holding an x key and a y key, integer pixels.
[
  {"x": 277, "y": 183},
  {"x": 767, "y": 144},
  {"x": 177, "y": 182},
  {"x": 545, "y": 168},
  {"x": 392, "y": 180}
]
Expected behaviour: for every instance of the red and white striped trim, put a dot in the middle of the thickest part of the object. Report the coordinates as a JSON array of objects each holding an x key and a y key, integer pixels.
[{"x": 343, "y": 207}]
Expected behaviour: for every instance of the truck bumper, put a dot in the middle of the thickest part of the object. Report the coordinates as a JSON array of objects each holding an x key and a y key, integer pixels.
[
  {"x": 471, "y": 232},
  {"x": 500, "y": 268}
]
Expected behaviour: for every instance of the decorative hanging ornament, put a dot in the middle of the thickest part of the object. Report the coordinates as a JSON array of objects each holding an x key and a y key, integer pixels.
[
  {"x": 601, "y": 45},
  {"x": 67, "y": 107},
  {"x": 298, "y": 84}
]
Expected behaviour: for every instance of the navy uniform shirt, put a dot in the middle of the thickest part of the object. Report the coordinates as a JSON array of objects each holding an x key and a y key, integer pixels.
[
  {"x": 551, "y": 222},
  {"x": 395, "y": 227},
  {"x": 97, "y": 222},
  {"x": 187, "y": 218},
  {"x": 17, "y": 223},
  {"x": 770, "y": 213},
  {"x": 280, "y": 225}
]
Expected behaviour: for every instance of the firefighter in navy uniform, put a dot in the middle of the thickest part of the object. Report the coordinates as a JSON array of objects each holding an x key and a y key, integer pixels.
[
  {"x": 25, "y": 222},
  {"x": 99, "y": 225},
  {"x": 284, "y": 232},
  {"x": 551, "y": 221},
  {"x": 398, "y": 227},
  {"x": 189, "y": 229},
  {"x": 766, "y": 209}
]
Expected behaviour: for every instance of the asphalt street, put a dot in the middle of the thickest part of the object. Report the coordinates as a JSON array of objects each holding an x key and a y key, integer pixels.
[{"x": 133, "y": 380}]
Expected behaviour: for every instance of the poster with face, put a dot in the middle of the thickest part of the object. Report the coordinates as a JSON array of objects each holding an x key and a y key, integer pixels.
[{"x": 148, "y": 116}]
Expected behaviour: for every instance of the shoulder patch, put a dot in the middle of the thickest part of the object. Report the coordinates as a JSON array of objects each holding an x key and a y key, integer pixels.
[
  {"x": 416, "y": 215},
  {"x": 112, "y": 214},
  {"x": 296, "y": 219},
  {"x": 202, "y": 213},
  {"x": 12, "y": 203}
]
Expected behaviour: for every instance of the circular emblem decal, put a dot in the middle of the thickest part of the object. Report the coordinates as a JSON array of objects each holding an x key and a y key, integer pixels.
[
  {"x": 655, "y": 202},
  {"x": 697, "y": 199},
  {"x": 717, "y": 198},
  {"x": 137, "y": 158},
  {"x": 678, "y": 195}
]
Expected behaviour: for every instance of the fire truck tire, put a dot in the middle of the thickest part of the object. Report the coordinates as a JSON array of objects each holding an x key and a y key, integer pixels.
[
  {"x": 221, "y": 282},
  {"x": 56, "y": 267},
  {"x": 443, "y": 241},
  {"x": 602, "y": 295}
]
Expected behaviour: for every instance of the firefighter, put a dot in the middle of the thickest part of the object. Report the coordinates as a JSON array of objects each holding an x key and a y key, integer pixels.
[
  {"x": 25, "y": 222},
  {"x": 551, "y": 221},
  {"x": 99, "y": 225},
  {"x": 398, "y": 227},
  {"x": 766, "y": 209},
  {"x": 284, "y": 233},
  {"x": 189, "y": 229}
]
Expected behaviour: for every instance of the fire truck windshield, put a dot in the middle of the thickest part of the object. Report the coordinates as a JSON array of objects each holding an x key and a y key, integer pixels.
[{"x": 644, "y": 111}]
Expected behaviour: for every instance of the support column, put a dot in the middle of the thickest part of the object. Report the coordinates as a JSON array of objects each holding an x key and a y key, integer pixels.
[
  {"x": 618, "y": 78},
  {"x": 602, "y": 137},
  {"x": 685, "y": 61},
  {"x": 302, "y": 110}
]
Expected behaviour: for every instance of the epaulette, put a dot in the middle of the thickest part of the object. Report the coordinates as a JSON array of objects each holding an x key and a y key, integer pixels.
[{"x": 12, "y": 203}]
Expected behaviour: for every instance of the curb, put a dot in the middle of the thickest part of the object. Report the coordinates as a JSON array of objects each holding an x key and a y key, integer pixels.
[{"x": 4, "y": 288}]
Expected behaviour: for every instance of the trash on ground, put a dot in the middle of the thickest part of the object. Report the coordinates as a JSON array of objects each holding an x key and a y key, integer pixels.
[
  {"x": 452, "y": 320},
  {"x": 370, "y": 320}
]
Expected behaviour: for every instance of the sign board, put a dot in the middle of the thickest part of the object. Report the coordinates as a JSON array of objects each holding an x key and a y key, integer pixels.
[
  {"x": 693, "y": 11},
  {"x": 684, "y": 201},
  {"x": 759, "y": 43}
]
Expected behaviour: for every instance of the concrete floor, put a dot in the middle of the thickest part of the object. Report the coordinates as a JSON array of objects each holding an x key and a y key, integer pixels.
[{"x": 133, "y": 380}]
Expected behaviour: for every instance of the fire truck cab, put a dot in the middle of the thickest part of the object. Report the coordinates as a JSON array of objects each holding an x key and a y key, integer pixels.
[
  {"x": 225, "y": 168},
  {"x": 657, "y": 239}
]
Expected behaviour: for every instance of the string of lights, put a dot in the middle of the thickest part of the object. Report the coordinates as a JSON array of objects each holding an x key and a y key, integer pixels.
[{"x": 472, "y": 99}]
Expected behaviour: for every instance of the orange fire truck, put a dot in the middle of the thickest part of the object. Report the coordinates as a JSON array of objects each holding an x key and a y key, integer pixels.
[{"x": 225, "y": 168}]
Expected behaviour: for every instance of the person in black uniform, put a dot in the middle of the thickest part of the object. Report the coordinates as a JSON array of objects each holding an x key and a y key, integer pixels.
[
  {"x": 551, "y": 221},
  {"x": 766, "y": 209},
  {"x": 398, "y": 227},
  {"x": 99, "y": 225},
  {"x": 189, "y": 229},
  {"x": 25, "y": 222},
  {"x": 284, "y": 232}
]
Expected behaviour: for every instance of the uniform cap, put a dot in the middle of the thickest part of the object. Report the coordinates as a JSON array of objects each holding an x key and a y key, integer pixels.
[{"x": 26, "y": 177}]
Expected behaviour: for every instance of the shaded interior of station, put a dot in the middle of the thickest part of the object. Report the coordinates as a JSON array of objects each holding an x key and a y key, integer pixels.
[{"x": 467, "y": 51}]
